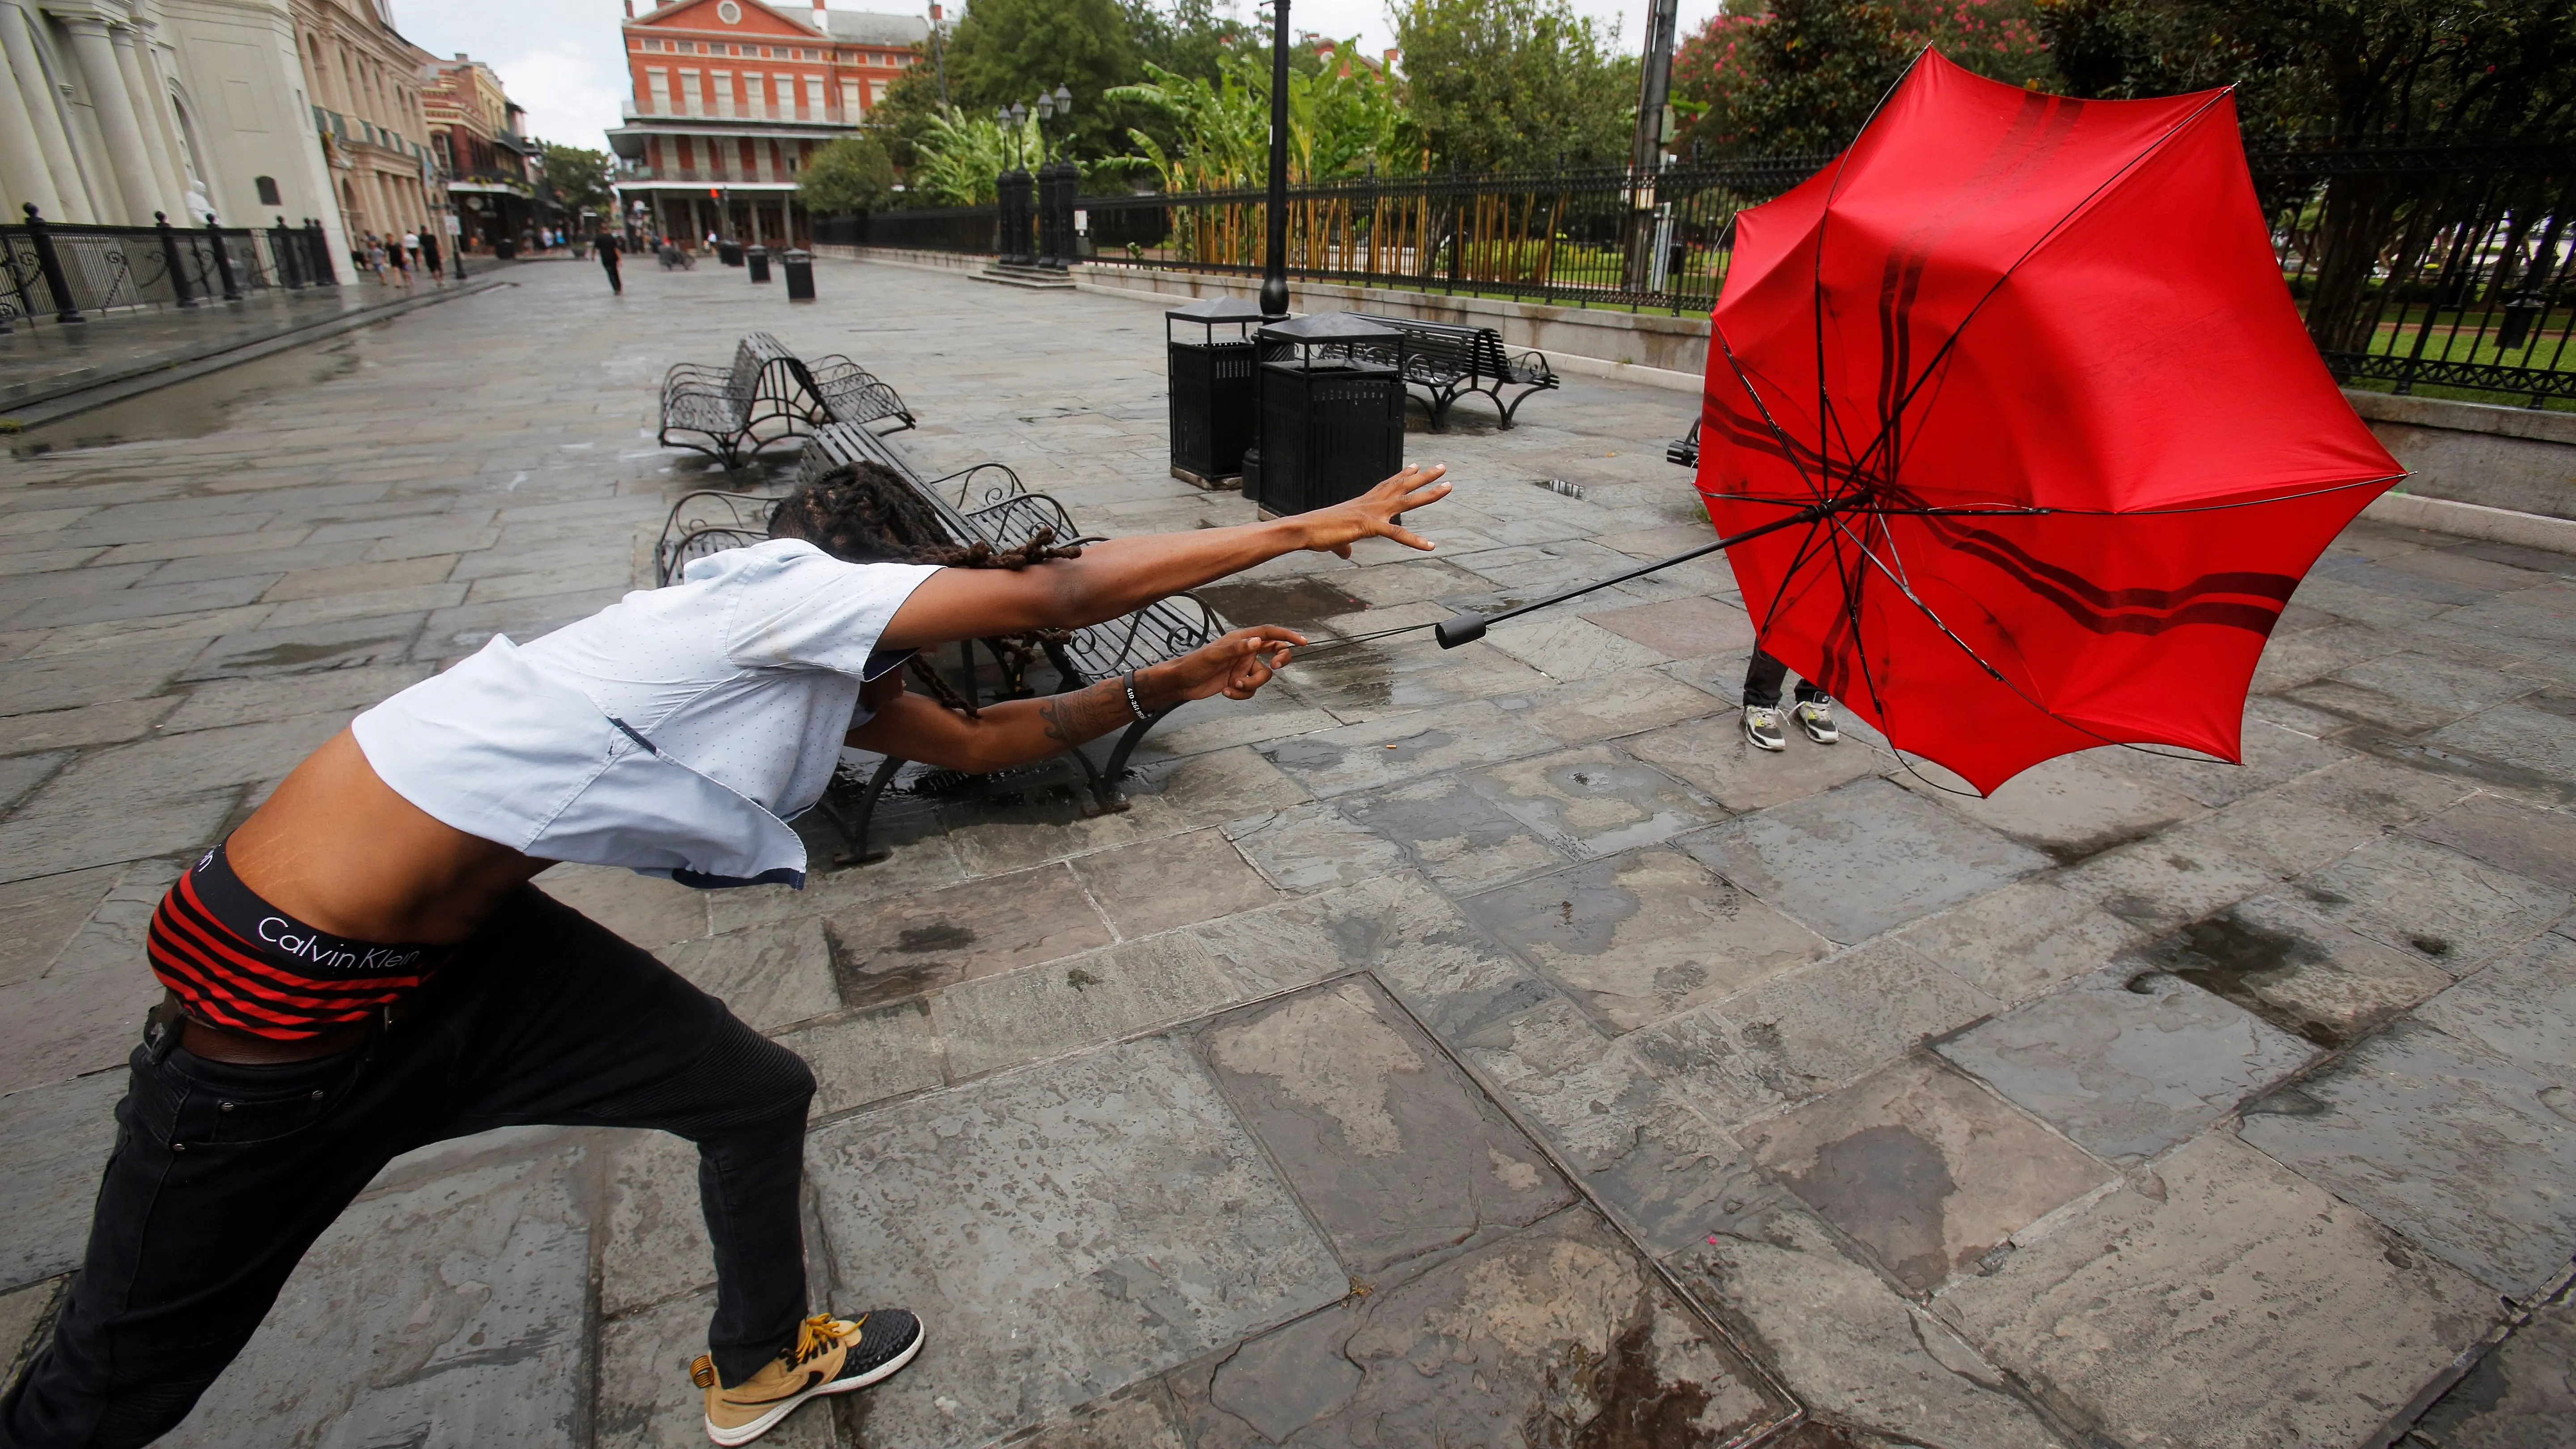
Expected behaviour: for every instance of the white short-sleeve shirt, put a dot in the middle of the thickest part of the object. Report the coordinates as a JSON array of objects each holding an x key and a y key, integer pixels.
[{"x": 673, "y": 732}]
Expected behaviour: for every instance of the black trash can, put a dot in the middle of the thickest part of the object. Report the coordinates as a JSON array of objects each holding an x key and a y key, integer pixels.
[
  {"x": 729, "y": 253},
  {"x": 758, "y": 257},
  {"x": 1332, "y": 410},
  {"x": 1216, "y": 402},
  {"x": 798, "y": 263},
  {"x": 2524, "y": 318}
]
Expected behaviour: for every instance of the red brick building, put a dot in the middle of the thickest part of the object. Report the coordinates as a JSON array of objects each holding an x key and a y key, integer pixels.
[{"x": 729, "y": 97}]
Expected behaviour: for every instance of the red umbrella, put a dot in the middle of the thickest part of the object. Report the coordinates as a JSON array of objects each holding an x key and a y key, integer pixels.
[{"x": 2043, "y": 443}]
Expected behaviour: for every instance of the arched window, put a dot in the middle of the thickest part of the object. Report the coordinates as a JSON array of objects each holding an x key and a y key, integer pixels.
[{"x": 268, "y": 194}]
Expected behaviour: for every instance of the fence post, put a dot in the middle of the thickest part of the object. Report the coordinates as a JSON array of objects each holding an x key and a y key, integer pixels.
[
  {"x": 324, "y": 274},
  {"x": 223, "y": 260},
  {"x": 52, "y": 266},
  {"x": 283, "y": 244},
  {"x": 170, "y": 259}
]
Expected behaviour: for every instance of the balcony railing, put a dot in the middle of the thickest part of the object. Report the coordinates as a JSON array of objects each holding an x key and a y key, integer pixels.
[
  {"x": 707, "y": 176},
  {"x": 681, "y": 107}
]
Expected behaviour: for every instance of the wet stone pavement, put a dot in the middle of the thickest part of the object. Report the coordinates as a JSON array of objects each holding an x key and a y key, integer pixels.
[{"x": 1480, "y": 1048}]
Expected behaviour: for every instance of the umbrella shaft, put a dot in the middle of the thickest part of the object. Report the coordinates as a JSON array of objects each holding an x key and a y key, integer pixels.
[{"x": 1467, "y": 628}]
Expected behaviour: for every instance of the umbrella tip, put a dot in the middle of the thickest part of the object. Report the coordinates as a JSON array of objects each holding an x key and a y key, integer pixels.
[{"x": 1459, "y": 629}]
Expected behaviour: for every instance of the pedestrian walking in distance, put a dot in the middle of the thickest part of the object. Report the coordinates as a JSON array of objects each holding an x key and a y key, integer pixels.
[
  {"x": 607, "y": 245},
  {"x": 363, "y": 967},
  {"x": 429, "y": 258}
]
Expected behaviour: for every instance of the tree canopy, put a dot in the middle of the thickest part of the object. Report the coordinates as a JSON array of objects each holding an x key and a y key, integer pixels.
[
  {"x": 1013, "y": 50},
  {"x": 850, "y": 174},
  {"x": 1497, "y": 84},
  {"x": 578, "y": 178},
  {"x": 2491, "y": 69}
]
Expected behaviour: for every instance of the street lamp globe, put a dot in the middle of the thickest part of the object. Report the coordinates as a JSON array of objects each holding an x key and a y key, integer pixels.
[{"x": 1063, "y": 101}]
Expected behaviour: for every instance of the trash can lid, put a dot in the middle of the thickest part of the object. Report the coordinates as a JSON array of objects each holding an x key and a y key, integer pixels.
[
  {"x": 1332, "y": 327},
  {"x": 799, "y": 254},
  {"x": 1219, "y": 308}
]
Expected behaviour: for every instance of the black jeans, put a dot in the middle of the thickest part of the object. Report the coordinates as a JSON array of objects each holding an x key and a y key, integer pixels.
[
  {"x": 609, "y": 265},
  {"x": 223, "y": 1175},
  {"x": 1762, "y": 680}
]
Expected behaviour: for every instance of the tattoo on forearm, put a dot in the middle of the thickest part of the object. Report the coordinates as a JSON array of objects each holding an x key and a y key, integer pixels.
[{"x": 1085, "y": 714}]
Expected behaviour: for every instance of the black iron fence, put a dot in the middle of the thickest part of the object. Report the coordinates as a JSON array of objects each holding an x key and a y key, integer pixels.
[
  {"x": 50, "y": 272},
  {"x": 2419, "y": 266},
  {"x": 2441, "y": 267}
]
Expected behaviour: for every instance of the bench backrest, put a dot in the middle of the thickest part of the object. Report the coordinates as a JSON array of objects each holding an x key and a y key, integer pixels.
[
  {"x": 843, "y": 443},
  {"x": 706, "y": 522},
  {"x": 1451, "y": 347}
]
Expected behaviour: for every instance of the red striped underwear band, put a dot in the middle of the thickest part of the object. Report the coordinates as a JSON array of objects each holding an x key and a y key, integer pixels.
[{"x": 237, "y": 962}]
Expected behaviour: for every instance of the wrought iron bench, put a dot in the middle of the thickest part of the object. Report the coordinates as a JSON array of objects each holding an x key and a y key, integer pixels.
[
  {"x": 848, "y": 393},
  {"x": 705, "y": 522},
  {"x": 719, "y": 413},
  {"x": 769, "y": 385},
  {"x": 1447, "y": 360}
]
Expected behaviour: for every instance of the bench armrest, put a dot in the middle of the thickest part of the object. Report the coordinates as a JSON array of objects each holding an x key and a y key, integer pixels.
[{"x": 995, "y": 490}]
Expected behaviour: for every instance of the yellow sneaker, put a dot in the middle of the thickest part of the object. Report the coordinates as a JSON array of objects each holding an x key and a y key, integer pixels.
[{"x": 830, "y": 1356}]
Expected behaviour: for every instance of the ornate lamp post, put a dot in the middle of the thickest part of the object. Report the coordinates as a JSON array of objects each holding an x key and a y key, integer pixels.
[
  {"x": 1013, "y": 192},
  {"x": 1274, "y": 267},
  {"x": 1057, "y": 180}
]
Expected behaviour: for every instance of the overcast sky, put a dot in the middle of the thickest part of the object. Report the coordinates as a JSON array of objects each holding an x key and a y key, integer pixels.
[{"x": 561, "y": 62}]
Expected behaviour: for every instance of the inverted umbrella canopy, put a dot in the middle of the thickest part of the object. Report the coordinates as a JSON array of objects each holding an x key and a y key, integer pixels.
[{"x": 2023, "y": 371}]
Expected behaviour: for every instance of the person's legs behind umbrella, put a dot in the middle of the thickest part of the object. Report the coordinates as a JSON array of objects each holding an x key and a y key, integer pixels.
[{"x": 1763, "y": 727}]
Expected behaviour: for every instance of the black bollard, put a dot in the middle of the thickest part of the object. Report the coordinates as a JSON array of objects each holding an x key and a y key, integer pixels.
[
  {"x": 170, "y": 260},
  {"x": 223, "y": 261},
  {"x": 52, "y": 267}
]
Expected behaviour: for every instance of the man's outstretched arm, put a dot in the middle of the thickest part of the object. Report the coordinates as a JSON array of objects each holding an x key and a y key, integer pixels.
[
  {"x": 1021, "y": 730},
  {"x": 1125, "y": 574}
]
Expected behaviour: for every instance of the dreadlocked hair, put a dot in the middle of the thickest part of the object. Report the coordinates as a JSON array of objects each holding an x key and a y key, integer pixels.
[{"x": 864, "y": 512}]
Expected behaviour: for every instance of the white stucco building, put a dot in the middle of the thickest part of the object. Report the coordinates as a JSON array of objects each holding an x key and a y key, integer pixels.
[{"x": 114, "y": 110}]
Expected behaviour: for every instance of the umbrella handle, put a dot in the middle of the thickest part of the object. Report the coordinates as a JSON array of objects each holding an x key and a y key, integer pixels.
[{"x": 1467, "y": 628}]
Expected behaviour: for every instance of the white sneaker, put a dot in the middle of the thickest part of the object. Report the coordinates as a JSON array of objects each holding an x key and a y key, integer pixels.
[
  {"x": 1816, "y": 717},
  {"x": 1762, "y": 727}
]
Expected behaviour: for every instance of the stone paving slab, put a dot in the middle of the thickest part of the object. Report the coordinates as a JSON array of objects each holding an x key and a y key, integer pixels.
[
  {"x": 2520, "y": 1395},
  {"x": 1658, "y": 1167},
  {"x": 2129, "y": 1064},
  {"x": 1646, "y": 935},
  {"x": 1069, "y": 1229},
  {"x": 1387, "y": 1144},
  {"x": 475, "y": 1333},
  {"x": 2433, "y": 903},
  {"x": 1922, "y": 1168},
  {"x": 1858, "y": 860},
  {"x": 2223, "y": 1303},
  {"x": 2453, "y": 1146},
  {"x": 56, "y": 1138},
  {"x": 1800, "y": 1035},
  {"x": 1854, "y": 1348},
  {"x": 1555, "y": 1335},
  {"x": 2522, "y": 1007}
]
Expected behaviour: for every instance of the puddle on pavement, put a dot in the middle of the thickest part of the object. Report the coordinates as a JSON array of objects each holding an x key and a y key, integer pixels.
[
  {"x": 1279, "y": 601},
  {"x": 193, "y": 408},
  {"x": 2239, "y": 962}
]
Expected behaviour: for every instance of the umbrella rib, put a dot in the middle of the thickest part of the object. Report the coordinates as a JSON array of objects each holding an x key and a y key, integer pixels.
[{"x": 1825, "y": 421}]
